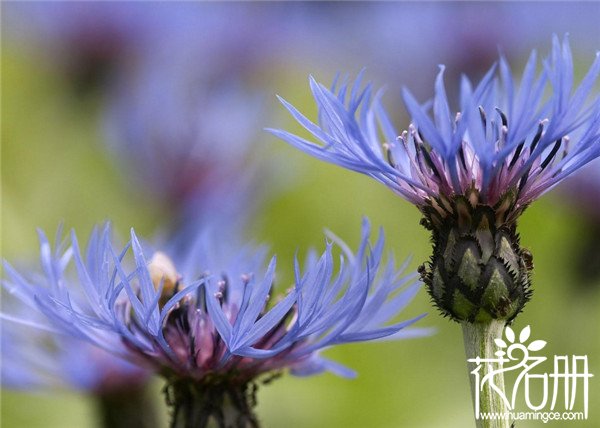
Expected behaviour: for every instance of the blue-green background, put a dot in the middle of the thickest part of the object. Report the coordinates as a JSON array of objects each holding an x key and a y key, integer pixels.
[{"x": 55, "y": 168}]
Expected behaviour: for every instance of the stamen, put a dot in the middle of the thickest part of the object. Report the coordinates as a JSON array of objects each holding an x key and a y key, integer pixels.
[
  {"x": 552, "y": 154},
  {"x": 421, "y": 150},
  {"x": 494, "y": 129},
  {"x": 538, "y": 135},
  {"x": 502, "y": 117},
  {"x": 416, "y": 134},
  {"x": 461, "y": 154},
  {"x": 503, "y": 135},
  {"x": 566, "y": 141},
  {"x": 388, "y": 152},
  {"x": 430, "y": 163},
  {"x": 201, "y": 300},
  {"x": 224, "y": 287},
  {"x": 523, "y": 180},
  {"x": 516, "y": 155},
  {"x": 403, "y": 139},
  {"x": 483, "y": 117},
  {"x": 421, "y": 163},
  {"x": 534, "y": 143}
]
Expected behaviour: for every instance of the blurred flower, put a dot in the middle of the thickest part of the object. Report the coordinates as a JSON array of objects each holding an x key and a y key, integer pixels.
[
  {"x": 170, "y": 128},
  {"x": 85, "y": 40},
  {"x": 207, "y": 321},
  {"x": 90, "y": 41},
  {"x": 183, "y": 122},
  {"x": 37, "y": 358},
  {"x": 471, "y": 174}
]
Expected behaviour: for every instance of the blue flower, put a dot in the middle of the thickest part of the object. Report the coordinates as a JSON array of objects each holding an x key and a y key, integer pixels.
[
  {"x": 211, "y": 311},
  {"x": 34, "y": 358},
  {"x": 508, "y": 137},
  {"x": 471, "y": 174},
  {"x": 168, "y": 127}
]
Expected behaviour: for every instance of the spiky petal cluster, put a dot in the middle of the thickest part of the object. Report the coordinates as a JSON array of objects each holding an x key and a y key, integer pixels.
[
  {"x": 210, "y": 313},
  {"x": 471, "y": 173},
  {"x": 37, "y": 355},
  {"x": 507, "y": 136}
]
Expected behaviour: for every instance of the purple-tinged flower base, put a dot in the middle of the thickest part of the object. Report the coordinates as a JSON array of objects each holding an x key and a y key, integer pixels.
[{"x": 471, "y": 173}]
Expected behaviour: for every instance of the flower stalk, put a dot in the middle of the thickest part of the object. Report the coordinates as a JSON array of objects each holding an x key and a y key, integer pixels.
[
  {"x": 479, "y": 345},
  {"x": 219, "y": 403},
  {"x": 127, "y": 408}
]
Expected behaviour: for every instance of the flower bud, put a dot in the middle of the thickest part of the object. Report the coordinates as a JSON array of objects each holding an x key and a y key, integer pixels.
[{"x": 478, "y": 271}]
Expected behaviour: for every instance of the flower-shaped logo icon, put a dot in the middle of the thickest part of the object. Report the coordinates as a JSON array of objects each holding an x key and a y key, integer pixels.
[{"x": 512, "y": 344}]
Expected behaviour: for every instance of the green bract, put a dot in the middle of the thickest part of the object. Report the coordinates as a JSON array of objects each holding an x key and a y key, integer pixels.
[{"x": 478, "y": 271}]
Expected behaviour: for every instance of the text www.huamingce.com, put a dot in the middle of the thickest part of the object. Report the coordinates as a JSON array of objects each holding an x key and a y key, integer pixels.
[{"x": 544, "y": 417}]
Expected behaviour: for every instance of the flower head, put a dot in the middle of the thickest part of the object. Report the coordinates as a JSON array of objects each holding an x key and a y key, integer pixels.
[
  {"x": 210, "y": 316},
  {"x": 507, "y": 137},
  {"x": 471, "y": 173}
]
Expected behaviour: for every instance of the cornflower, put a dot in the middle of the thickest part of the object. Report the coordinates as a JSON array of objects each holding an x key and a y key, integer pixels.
[
  {"x": 471, "y": 174},
  {"x": 206, "y": 321}
]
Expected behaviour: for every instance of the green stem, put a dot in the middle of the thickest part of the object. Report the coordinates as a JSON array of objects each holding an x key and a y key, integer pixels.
[
  {"x": 479, "y": 343},
  {"x": 127, "y": 408},
  {"x": 214, "y": 404}
]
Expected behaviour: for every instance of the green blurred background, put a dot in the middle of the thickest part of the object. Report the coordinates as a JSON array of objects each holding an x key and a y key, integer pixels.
[{"x": 55, "y": 168}]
